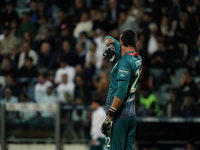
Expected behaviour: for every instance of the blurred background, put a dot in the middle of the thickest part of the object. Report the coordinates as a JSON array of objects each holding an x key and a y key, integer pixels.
[{"x": 51, "y": 67}]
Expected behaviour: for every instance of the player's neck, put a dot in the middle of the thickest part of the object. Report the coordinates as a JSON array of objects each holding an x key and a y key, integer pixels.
[{"x": 126, "y": 49}]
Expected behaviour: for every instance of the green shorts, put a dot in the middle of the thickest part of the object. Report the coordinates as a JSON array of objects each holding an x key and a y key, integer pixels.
[
  {"x": 122, "y": 135},
  {"x": 100, "y": 146}
]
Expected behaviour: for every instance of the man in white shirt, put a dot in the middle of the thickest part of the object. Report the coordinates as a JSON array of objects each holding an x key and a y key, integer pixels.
[
  {"x": 152, "y": 43},
  {"x": 98, "y": 116},
  {"x": 49, "y": 98},
  {"x": 27, "y": 52},
  {"x": 84, "y": 25},
  {"x": 65, "y": 69},
  {"x": 8, "y": 98},
  {"x": 11, "y": 116},
  {"x": 41, "y": 87},
  {"x": 65, "y": 87}
]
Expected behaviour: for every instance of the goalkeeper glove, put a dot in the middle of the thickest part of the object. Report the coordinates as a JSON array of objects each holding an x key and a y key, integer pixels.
[
  {"x": 107, "y": 124},
  {"x": 109, "y": 54}
]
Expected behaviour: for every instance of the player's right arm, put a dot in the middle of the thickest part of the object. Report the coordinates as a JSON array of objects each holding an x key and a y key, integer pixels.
[{"x": 113, "y": 48}]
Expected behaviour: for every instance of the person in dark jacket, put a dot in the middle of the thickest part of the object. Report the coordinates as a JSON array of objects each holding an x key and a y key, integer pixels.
[{"x": 28, "y": 70}]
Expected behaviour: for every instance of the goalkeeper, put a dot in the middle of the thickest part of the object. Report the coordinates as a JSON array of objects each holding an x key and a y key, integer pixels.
[{"x": 120, "y": 124}]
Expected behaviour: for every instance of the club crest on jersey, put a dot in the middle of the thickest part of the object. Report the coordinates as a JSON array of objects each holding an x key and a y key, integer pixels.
[{"x": 123, "y": 72}]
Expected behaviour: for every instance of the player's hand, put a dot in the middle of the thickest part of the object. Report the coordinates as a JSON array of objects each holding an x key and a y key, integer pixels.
[
  {"x": 109, "y": 54},
  {"x": 107, "y": 126}
]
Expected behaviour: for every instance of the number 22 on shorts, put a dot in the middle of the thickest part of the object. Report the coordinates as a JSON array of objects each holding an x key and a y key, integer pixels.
[{"x": 107, "y": 141}]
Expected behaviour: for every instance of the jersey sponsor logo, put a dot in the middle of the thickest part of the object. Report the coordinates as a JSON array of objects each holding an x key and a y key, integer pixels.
[
  {"x": 138, "y": 63},
  {"x": 123, "y": 72},
  {"x": 130, "y": 99}
]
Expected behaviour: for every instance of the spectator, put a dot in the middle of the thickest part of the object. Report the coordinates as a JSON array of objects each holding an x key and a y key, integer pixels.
[
  {"x": 65, "y": 35},
  {"x": 80, "y": 54},
  {"x": 136, "y": 12},
  {"x": 12, "y": 115},
  {"x": 78, "y": 9},
  {"x": 42, "y": 11},
  {"x": 93, "y": 14},
  {"x": 25, "y": 116},
  {"x": 9, "y": 14},
  {"x": 65, "y": 87},
  {"x": 8, "y": 42},
  {"x": 158, "y": 65},
  {"x": 176, "y": 58},
  {"x": 98, "y": 116},
  {"x": 100, "y": 47},
  {"x": 14, "y": 56},
  {"x": 28, "y": 70},
  {"x": 80, "y": 70},
  {"x": 85, "y": 40},
  {"x": 190, "y": 146},
  {"x": 188, "y": 86},
  {"x": 113, "y": 13},
  {"x": 81, "y": 90},
  {"x": 173, "y": 10},
  {"x": 144, "y": 25},
  {"x": 65, "y": 69},
  {"x": 44, "y": 23},
  {"x": 45, "y": 118},
  {"x": 100, "y": 23},
  {"x": 90, "y": 63},
  {"x": 172, "y": 108},
  {"x": 46, "y": 58},
  {"x": 194, "y": 68},
  {"x": 125, "y": 23},
  {"x": 14, "y": 25},
  {"x": 168, "y": 27},
  {"x": 148, "y": 103},
  {"x": 27, "y": 52},
  {"x": 26, "y": 25},
  {"x": 7, "y": 68},
  {"x": 188, "y": 108},
  {"x": 41, "y": 87},
  {"x": 91, "y": 56},
  {"x": 49, "y": 97},
  {"x": 102, "y": 87},
  {"x": 45, "y": 36},
  {"x": 152, "y": 43},
  {"x": 8, "y": 97},
  {"x": 13, "y": 85},
  {"x": 28, "y": 36},
  {"x": 186, "y": 32},
  {"x": 67, "y": 52},
  {"x": 33, "y": 9},
  {"x": 105, "y": 68},
  {"x": 84, "y": 25},
  {"x": 63, "y": 18}
]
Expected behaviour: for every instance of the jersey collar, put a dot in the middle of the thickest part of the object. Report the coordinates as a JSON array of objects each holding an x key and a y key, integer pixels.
[{"x": 134, "y": 53}]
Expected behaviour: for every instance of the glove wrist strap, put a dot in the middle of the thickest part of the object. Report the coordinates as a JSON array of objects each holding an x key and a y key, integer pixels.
[{"x": 111, "y": 111}]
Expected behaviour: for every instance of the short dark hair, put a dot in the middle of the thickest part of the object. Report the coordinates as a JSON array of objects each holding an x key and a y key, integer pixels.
[{"x": 129, "y": 38}]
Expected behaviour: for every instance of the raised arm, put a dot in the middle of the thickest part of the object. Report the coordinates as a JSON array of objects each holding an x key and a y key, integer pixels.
[{"x": 113, "y": 48}]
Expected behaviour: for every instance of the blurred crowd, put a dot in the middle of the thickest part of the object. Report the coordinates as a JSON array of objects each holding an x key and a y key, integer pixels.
[{"x": 52, "y": 52}]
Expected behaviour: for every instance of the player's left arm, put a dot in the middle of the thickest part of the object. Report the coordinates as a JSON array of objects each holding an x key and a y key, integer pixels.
[
  {"x": 118, "y": 99},
  {"x": 123, "y": 78}
]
